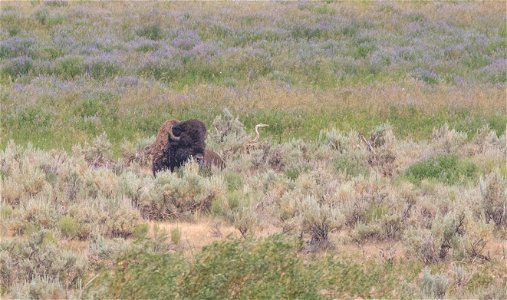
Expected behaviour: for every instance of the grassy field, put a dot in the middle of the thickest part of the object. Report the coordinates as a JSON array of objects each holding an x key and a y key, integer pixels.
[
  {"x": 314, "y": 211},
  {"x": 72, "y": 71}
]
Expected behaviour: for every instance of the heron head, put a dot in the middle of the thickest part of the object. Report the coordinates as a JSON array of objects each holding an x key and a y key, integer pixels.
[{"x": 261, "y": 125}]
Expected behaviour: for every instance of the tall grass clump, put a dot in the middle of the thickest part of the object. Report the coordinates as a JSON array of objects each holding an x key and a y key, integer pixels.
[
  {"x": 151, "y": 31},
  {"x": 101, "y": 67},
  {"x": 18, "y": 66},
  {"x": 18, "y": 47},
  {"x": 69, "y": 67},
  {"x": 68, "y": 226}
]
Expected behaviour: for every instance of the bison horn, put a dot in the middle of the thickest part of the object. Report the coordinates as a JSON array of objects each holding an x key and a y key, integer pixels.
[{"x": 171, "y": 134}]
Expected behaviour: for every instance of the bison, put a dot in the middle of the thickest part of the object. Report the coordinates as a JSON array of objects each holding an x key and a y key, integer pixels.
[
  {"x": 212, "y": 158},
  {"x": 158, "y": 148},
  {"x": 177, "y": 142}
]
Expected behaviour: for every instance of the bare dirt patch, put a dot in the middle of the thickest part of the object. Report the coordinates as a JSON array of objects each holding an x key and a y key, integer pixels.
[{"x": 195, "y": 235}]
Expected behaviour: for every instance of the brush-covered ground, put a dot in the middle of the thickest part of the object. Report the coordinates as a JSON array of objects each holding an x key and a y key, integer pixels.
[
  {"x": 382, "y": 173},
  {"x": 343, "y": 216}
]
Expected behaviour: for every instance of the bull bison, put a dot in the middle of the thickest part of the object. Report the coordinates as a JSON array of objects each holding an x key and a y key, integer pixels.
[{"x": 177, "y": 142}]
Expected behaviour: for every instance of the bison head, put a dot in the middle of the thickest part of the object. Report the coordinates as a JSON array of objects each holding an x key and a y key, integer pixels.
[{"x": 186, "y": 140}]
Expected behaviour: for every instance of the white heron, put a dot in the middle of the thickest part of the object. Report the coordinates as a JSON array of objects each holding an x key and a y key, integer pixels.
[{"x": 253, "y": 142}]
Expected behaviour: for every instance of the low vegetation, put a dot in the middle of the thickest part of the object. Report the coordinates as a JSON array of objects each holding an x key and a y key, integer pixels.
[
  {"x": 301, "y": 68},
  {"x": 267, "y": 268},
  {"x": 86, "y": 211},
  {"x": 444, "y": 168},
  {"x": 382, "y": 173}
]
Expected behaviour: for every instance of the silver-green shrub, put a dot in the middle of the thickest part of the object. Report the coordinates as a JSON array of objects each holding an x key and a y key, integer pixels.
[
  {"x": 438, "y": 243},
  {"x": 122, "y": 221},
  {"x": 434, "y": 286},
  {"x": 245, "y": 220},
  {"x": 99, "y": 152},
  {"x": 311, "y": 208},
  {"x": 103, "y": 252},
  {"x": 338, "y": 141},
  {"x": 318, "y": 219},
  {"x": 382, "y": 150},
  {"x": 89, "y": 217},
  {"x": 176, "y": 195},
  {"x": 456, "y": 235},
  {"x": 101, "y": 182},
  {"x": 420, "y": 243},
  {"x": 293, "y": 156},
  {"x": 40, "y": 287},
  {"x": 363, "y": 232},
  {"x": 24, "y": 180},
  {"x": 228, "y": 135},
  {"x": 237, "y": 208},
  {"x": 137, "y": 152},
  {"x": 133, "y": 186},
  {"x": 36, "y": 213},
  {"x": 486, "y": 141},
  {"x": 477, "y": 235},
  {"x": 447, "y": 141},
  {"x": 40, "y": 255},
  {"x": 494, "y": 198}
]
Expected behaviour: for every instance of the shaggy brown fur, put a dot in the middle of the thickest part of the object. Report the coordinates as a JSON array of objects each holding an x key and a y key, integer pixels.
[
  {"x": 160, "y": 150},
  {"x": 157, "y": 149},
  {"x": 211, "y": 158}
]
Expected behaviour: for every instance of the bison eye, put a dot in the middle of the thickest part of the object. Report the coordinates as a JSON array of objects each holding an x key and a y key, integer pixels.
[{"x": 177, "y": 130}]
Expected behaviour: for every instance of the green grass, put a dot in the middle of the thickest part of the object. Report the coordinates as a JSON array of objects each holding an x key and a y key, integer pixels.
[
  {"x": 49, "y": 127},
  {"x": 349, "y": 166},
  {"x": 152, "y": 32},
  {"x": 68, "y": 226},
  {"x": 69, "y": 67},
  {"x": 449, "y": 169},
  {"x": 304, "y": 47}
]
